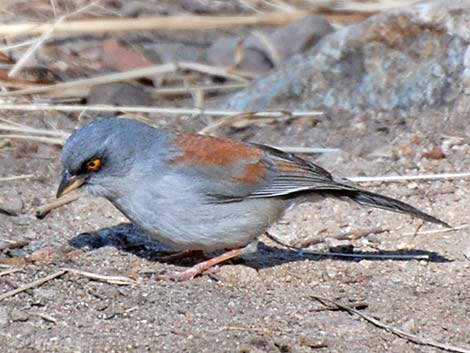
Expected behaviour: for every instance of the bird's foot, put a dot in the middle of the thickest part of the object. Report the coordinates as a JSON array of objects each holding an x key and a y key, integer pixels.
[{"x": 203, "y": 267}]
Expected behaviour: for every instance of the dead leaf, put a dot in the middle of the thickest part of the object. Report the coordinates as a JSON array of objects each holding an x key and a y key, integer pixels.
[
  {"x": 121, "y": 58},
  {"x": 435, "y": 153}
]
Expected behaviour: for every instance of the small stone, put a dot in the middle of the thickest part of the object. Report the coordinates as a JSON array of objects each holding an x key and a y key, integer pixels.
[
  {"x": 118, "y": 93},
  {"x": 239, "y": 275},
  {"x": 331, "y": 272},
  {"x": 313, "y": 342},
  {"x": 435, "y": 153},
  {"x": 410, "y": 326},
  {"x": 18, "y": 315},
  {"x": 11, "y": 207},
  {"x": 45, "y": 255}
]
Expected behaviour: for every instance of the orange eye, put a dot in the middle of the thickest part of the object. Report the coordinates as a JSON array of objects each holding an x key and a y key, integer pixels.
[{"x": 93, "y": 165}]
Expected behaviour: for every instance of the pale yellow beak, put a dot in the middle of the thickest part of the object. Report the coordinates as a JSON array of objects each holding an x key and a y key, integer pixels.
[{"x": 69, "y": 183}]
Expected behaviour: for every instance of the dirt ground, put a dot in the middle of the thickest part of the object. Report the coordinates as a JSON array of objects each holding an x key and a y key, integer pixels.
[{"x": 261, "y": 303}]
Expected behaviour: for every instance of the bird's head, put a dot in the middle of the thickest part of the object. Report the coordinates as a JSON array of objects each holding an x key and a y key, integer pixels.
[{"x": 105, "y": 155}]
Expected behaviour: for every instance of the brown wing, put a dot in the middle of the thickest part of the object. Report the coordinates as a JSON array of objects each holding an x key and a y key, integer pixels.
[{"x": 236, "y": 170}]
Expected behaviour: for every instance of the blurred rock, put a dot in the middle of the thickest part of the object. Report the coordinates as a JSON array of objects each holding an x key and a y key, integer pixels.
[
  {"x": 172, "y": 52},
  {"x": 288, "y": 40},
  {"x": 18, "y": 315},
  {"x": 414, "y": 57},
  {"x": 238, "y": 275},
  {"x": 45, "y": 255},
  {"x": 11, "y": 206}
]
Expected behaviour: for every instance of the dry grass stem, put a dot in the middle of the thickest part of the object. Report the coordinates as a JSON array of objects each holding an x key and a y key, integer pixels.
[
  {"x": 240, "y": 76},
  {"x": 33, "y": 284},
  {"x": 47, "y": 140},
  {"x": 437, "y": 231},
  {"x": 33, "y": 48},
  {"x": 151, "y": 110},
  {"x": 400, "y": 257},
  {"x": 173, "y": 91},
  {"x": 17, "y": 177},
  {"x": 270, "y": 48},
  {"x": 18, "y": 45},
  {"x": 400, "y": 333},
  {"x": 42, "y": 211},
  {"x": 10, "y": 271},
  {"x": 247, "y": 118},
  {"x": 98, "y": 80},
  {"x": 102, "y": 278},
  {"x": 46, "y": 317},
  {"x": 15, "y": 127},
  {"x": 399, "y": 178},
  {"x": 166, "y": 23}
]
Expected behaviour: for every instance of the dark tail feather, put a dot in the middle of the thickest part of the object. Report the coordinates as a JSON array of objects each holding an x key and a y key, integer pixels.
[{"x": 367, "y": 198}]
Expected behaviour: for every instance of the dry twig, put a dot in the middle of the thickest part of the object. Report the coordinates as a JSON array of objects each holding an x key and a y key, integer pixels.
[
  {"x": 17, "y": 177},
  {"x": 15, "y": 127},
  {"x": 10, "y": 271},
  {"x": 33, "y": 284},
  {"x": 400, "y": 333},
  {"x": 152, "y": 110},
  {"x": 46, "y": 317},
  {"x": 41, "y": 139},
  {"x": 437, "y": 231},
  {"x": 33, "y": 48},
  {"x": 166, "y": 23},
  {"x": 98, "y": 80},
  {"x": 184, "y": 90},
  {"x": 102, "y": 278},
  {"x": 43, "y": 211}
]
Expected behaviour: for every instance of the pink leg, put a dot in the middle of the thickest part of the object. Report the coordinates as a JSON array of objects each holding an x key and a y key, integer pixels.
[{"x": 202, "y": 267}]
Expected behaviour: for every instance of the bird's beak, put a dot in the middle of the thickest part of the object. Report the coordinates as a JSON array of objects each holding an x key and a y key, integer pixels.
[{"x": 69, "y": 183}]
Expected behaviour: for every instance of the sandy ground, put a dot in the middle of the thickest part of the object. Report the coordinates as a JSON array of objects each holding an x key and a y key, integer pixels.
[{"x": 263, "y": 302}]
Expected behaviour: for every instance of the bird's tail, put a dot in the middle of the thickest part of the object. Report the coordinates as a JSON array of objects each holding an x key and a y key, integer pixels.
[{"x": 368, "y": 198}]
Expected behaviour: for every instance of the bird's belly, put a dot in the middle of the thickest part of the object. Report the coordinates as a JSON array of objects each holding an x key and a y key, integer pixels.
[{"x": 205, "y": 226}]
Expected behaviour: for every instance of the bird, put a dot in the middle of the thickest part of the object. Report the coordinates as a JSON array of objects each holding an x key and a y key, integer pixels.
[{"x": 196, "y": 192}]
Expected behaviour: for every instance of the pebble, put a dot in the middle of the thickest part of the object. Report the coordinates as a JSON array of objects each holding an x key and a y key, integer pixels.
[
  {"x": 18, "y": 315},
  {"x": 12, "y": 207},
  {"x": 239, "y": 275}
]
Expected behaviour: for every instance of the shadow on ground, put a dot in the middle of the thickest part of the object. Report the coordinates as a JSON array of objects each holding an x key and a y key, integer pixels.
[{"x": 129, "y": 238}]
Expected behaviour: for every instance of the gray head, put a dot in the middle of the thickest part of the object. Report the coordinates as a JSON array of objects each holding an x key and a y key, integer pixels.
[{"x": 103, "y": 152}]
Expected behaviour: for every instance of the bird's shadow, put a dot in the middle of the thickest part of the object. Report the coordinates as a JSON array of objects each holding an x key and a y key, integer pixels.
[{"x": 129, "y": 238}]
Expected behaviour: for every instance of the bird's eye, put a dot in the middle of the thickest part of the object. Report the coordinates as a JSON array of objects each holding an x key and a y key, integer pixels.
[{"x": 93, "y": 165}]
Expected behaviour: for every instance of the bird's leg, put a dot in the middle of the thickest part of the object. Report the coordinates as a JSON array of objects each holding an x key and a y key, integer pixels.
[
  {"x": 202, "y": 267},
  {"x": 182, "y": 254}
]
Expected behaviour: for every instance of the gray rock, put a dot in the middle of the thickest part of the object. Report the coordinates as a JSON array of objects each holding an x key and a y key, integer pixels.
[
  {"x": 415, "y": 57},
  {"x": 238, "y": 275},
  {"x": 172, "y": 52},
  {"x": 288, "y": 40},
  {"x": 12, "y": 207},
  {"x": 18, "y": 315},
  {"x": 118, "y": 93}
]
